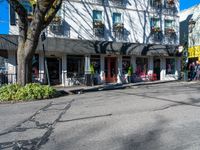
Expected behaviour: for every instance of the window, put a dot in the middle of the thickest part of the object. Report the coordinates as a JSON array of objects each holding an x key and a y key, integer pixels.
[
  {"x": 170, "y": 66},
  {"x": 126, "y": 63},
  {"x": 35, "y": 67},
  {"x": 141, "y": 66},
  {"x": 95, "y": 61},
  {"x": 28, "y": 6},
  {"x": 155, "y": 22},
  {"x": 168, "y": 24},
  {"x": 75, "y": 66},
  {"x": 97, "y": 15},
  {"x": 169, "y": 27},
  {"x": 155, "y": 3},
  {"x": 117, "y": 18}
]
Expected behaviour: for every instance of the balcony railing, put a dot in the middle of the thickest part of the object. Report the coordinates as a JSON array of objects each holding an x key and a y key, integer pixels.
[
  {"x": 156, "y": 34},
  {"x": 7, "y": 78},
  {"x": 118, "y": 27}
]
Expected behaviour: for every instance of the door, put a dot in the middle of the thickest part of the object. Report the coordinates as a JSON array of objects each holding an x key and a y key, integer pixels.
[
  {"x": 54, "y": 70},
  {"x": 156, "y": 68},
  {"x": 110, "y": 69}
]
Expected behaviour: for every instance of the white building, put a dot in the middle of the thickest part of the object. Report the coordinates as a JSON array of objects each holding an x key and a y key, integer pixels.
[
  {"x": 190, "y": 31},
  {"x": 112, "y": 35}
]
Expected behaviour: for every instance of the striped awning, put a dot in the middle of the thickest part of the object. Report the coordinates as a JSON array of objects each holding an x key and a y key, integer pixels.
[{"x": 82, "y": 47}]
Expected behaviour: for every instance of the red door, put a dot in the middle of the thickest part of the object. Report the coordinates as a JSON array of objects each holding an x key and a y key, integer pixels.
[{"x": 110, "y": 69}]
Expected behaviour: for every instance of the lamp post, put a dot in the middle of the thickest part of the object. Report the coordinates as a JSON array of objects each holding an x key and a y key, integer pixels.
[{"x": 46, "y": 72}]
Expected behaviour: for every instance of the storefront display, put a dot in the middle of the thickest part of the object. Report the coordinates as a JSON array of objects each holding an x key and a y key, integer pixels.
[{"x": 170, "y": 66}]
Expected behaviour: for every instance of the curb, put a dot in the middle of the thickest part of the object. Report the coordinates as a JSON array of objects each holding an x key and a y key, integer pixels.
[{"x": 114, "y": 87}]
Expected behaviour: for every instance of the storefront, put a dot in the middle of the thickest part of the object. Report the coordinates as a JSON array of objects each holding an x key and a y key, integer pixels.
[{"x": 68, "y": 61}]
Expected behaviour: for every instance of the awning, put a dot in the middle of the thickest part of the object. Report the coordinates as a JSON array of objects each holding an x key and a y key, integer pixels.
[{"x": 82, "y": 47}]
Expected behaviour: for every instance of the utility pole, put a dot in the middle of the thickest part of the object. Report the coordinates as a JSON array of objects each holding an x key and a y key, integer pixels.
[{"x": 46, "y": 72}]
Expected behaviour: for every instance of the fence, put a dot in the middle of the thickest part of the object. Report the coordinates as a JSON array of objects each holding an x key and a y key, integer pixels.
[{"x": 7, "y": 78}]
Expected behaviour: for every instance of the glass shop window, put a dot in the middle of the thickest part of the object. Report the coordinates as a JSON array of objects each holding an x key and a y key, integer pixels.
[
  {"x": 141, "y": 66},
  {"x": 170, "y": 66}
]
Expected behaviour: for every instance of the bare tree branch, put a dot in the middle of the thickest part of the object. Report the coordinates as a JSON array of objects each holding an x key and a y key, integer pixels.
[{"x": 51, "y": 13}]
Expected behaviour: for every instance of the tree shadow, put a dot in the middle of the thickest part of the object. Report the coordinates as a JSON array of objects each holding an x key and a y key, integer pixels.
[{"x": 150, "y": 139}]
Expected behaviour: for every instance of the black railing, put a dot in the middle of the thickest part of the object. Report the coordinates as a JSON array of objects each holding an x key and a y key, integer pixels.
[{"x": 7, "y": 79}]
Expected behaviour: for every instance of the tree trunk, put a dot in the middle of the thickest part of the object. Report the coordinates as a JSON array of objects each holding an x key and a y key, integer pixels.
[
  {"x": 21, "y": 67},
  {"x": 24, "y": 62}
]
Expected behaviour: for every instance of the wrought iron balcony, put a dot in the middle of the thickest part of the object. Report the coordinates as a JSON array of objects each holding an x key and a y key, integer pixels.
[
  {"x": 118, "y": 27},
  {"x": 156, "y": 34},
  {"x": 99, "y": 32},
  {"x": 170, "y": 39}
]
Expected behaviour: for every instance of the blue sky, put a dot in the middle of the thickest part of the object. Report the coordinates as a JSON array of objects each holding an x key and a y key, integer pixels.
[
  {"x": 188, "y": 3},
  {"x": 4, "y": 22}
]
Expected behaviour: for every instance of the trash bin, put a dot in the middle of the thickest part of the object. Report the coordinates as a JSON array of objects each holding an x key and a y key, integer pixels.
[{"x": 88, "y": 80}]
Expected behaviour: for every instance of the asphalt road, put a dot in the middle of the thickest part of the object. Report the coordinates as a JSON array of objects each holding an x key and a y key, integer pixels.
[{"x": 151, "y": 117}]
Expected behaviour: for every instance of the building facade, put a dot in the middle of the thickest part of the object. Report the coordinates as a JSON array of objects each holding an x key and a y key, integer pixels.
[
  {"x": 109, "y": 39},
  {"x": 190, "y": 31}
]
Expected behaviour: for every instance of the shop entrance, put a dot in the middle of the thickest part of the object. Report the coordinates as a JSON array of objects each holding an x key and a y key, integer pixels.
[
  {"x": 54, "y": 69},
  {"x": 110, "y": 69},
  {"x": 156, "y": 68}
]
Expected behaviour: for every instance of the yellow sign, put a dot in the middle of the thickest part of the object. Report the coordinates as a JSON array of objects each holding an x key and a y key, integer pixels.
[{"x": 194, "y": 51}]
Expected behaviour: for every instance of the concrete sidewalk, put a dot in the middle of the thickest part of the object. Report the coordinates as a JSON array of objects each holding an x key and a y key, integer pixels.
[{"x": 110, "y": 86}]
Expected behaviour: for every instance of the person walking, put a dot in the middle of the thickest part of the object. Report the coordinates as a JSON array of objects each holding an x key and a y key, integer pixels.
[
  {"x": 197, "y": 70},
  {"x": 192, "y": 71}
]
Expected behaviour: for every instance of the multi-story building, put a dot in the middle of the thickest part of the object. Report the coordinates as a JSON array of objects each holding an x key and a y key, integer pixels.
[
  {"x": 190, "y": 31},
  {"x": 113, "y": 36},
  {"x": 4, "y": 29}
]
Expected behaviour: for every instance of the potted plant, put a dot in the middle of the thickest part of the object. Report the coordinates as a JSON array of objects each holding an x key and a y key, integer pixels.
[
  {"x": 118, "y": 27},
  {"x": 155, "y": 29},
  {"x": 98, "y": 24}
]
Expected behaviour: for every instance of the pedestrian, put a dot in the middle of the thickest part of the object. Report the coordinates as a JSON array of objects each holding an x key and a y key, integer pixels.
[
  {"x": 192, "y": 71},
  {"x": 197, "y": 70},
  {"x": 130, "y": 71}
]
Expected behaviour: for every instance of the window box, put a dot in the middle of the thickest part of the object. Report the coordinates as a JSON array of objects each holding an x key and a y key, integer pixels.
[
  {"x": 98, "y": 24},
  {"x": 169, "y": 31},
  {"x": 155, "y": 30},
  {"x": 170, "y": 2},
  {"x": 118, "y": 27}
]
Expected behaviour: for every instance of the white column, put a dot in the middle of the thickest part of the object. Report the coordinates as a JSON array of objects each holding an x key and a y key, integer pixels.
[
  {"x": 150, "y": 65},
  {"x": 102, "y": 68},
  {"x": 41, "y": 67},
  {"x": 87, "y": 64},
  {"x": 178, "y": 67},
  {"x": 162, "y": 68},
  {"x": 119, "y": 64},
  {"x": 133, "y": 63},
  {"x": 12, "y": 70},
  {"x": 64, "y": 69}
]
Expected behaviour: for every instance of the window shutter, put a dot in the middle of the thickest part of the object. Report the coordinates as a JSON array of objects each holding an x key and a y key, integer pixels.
[{"x": 12, "y": 16}]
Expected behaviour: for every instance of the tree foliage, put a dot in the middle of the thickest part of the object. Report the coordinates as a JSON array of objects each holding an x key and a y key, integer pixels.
[{"x": 29, "y": 31}]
